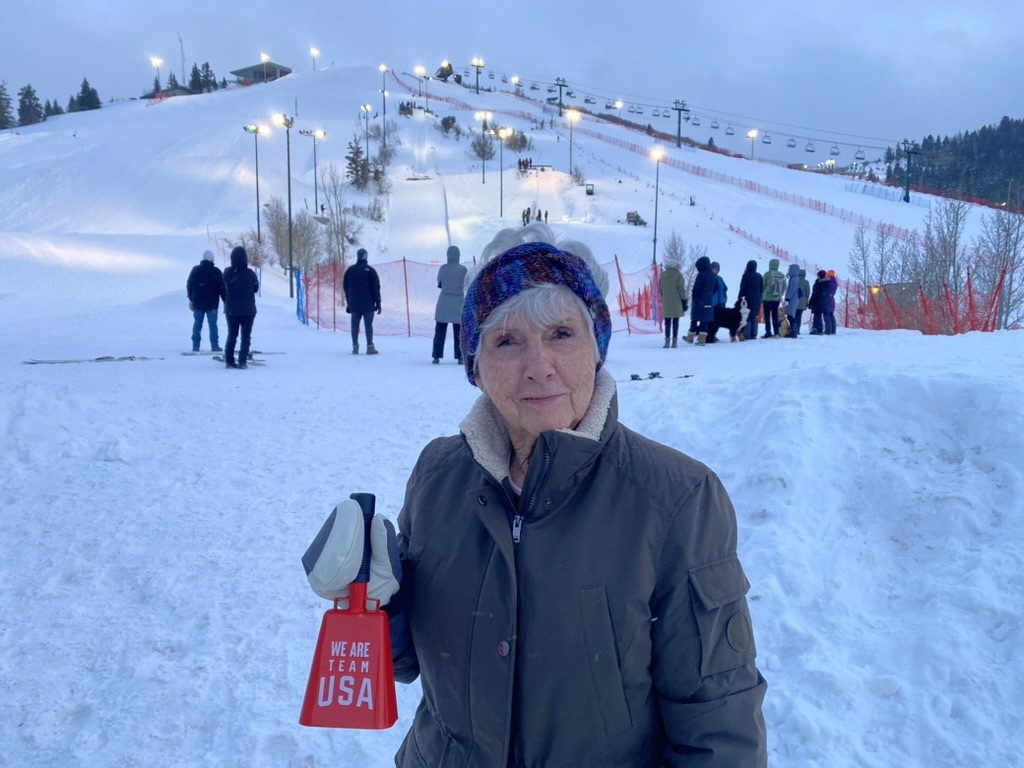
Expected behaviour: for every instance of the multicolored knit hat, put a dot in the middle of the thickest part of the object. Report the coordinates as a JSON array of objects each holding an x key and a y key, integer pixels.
[{"x": 520, "y": 268}]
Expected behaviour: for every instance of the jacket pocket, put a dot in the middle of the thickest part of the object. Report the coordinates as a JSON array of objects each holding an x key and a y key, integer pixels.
[
  {"x": 720, "y": 606},
  {"x": 427, "y": 744},
  {"x": 603, "y": 659}
]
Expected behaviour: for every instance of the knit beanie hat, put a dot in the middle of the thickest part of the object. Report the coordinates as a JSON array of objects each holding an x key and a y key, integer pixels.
[
  {"x": 821, "y": 273},
  {"x": 207, "y": 255},
  {"x": 361, "y": 254},
  {"x": 518, "y": 269}
]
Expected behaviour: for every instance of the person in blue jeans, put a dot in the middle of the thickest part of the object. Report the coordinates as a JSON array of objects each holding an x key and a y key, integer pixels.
[{"x": 205, "y": 287}]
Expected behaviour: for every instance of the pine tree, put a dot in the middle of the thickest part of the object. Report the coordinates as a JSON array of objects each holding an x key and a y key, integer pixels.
[
  {"x": 72, "y": 104},
  {"x": 156, "y": 85},
  {"x": 209, "y": 80},
  {"x": 223, "y": 82},
  {"x": 88, "y": 98},
  {"x": 195, "y": 81},
  {"x": 172, "y": 81},
  {"x": 357, "y": 168},
  {"x": 30, "y": 111},
  {"x": 6, "y": 113}
]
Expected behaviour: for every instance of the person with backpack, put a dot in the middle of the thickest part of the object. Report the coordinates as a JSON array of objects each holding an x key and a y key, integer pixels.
[
  {"x": 362, "y": 299},
  {"x": 774, "y": 289},
  {"x": 205, "y": 288},
  {"x": 751, "y": 286}
]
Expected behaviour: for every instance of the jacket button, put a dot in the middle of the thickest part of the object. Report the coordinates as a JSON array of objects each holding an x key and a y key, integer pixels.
[
  {"x": 504, "y": 648},
  {"x": 481, "y": 500}
]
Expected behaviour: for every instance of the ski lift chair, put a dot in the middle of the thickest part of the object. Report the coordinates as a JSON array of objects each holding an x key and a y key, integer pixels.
[
  {"x": 834, "y": 151},
  {"x": 729, "y": 130},
  {"x": 791, "y": 143}
]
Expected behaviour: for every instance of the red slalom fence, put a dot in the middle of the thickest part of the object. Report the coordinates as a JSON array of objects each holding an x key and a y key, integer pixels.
[{"x": 409, "y": 295}]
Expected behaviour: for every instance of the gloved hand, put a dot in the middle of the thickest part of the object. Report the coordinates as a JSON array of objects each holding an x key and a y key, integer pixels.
[
  {"x": 377, "y": 307},
  {"x": 191, "y": 306},
  {"x": 333, "y": 558}
]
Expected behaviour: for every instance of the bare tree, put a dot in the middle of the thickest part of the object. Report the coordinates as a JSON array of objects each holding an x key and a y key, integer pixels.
[
  {"x": 254, "y": 249},
  {"x": 307, "y": 242},
  {"x": 483, "y": 146},
  {"x": 945, "y": 258},
  {"x": 859, "y": 264},
  {"x": 1001, "y": 245},
  {"x": 342, "y": 229},
  {"x": 275, "y": 225}
]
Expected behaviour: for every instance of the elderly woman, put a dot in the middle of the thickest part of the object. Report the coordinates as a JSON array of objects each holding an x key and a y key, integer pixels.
[{"x": 570, "y": 590}]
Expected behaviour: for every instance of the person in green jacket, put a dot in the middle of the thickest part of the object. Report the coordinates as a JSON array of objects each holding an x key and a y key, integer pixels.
[
  {"x": 672, "y": 287},
  {"x": 773, "y": 292},
  {"x": 567, "y": 591},
  {"x": 805, "y": 297}
]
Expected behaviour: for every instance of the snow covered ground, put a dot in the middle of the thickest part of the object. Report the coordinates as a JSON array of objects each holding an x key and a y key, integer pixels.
[{"x": 153, "y": 512}]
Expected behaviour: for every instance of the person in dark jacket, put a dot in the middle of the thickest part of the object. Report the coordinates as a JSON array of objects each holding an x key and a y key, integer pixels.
[
  {"x": 751, "y": 287},
  {"x": 830, "y": 303},
  {"x": 569, "y": 591},
  {"x": 701, "y": 296},
  {"x": 205, "y": 288},
  {"x": 240, "y": 288},
  {"x": 362, "y": 299},
  {"x": 818, "y": 303},
  {"x": 451, "y": 279},
  {"x": 718, "y": 299}
]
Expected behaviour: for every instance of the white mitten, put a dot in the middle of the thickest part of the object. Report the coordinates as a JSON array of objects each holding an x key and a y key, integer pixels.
[{"x": 333, "y": 559}]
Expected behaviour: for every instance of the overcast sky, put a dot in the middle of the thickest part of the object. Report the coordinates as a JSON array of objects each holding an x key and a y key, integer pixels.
[{"x": 887, "y": 69}]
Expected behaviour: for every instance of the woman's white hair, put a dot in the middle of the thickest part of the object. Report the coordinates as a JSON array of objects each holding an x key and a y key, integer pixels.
[{"x": 539, "y": 233}]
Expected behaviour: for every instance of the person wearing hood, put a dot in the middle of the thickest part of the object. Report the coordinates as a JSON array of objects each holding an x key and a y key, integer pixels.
[
  {"x": 362, "y": 299},
  {"x": 751, "y": 286},
  {"x": 451, "y": 279},
  {"x": 792, "y": 298},
  {"x": 240, "y": 288},
  {"x": 672, "y": 287},
  {"x": 818, "y": 303},
  {"x": 718, "y": 299},
  {"x": 805, "y": 297},
  {"x": 701, "y": 309},
  {"x": 567, "y": 591},
  {"x": 774, "y": 289},
  {"x": 205, "y": 288}
]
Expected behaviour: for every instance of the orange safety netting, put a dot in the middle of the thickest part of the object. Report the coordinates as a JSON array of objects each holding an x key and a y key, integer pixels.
[
  {"x": 409, "y": 294},
  {"x": 878, "y": 309}
]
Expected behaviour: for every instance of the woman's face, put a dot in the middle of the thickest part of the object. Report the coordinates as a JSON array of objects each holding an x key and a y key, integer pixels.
[{"x": 539, "y": 378}]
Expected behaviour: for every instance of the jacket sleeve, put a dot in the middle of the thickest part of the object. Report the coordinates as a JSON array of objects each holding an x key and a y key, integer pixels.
[
  {"x": 190, "y": 282},
  {"x": 709, "y": 690},
  {"x": 403, "y": 652},
  {"x": 375, "y": 286}
]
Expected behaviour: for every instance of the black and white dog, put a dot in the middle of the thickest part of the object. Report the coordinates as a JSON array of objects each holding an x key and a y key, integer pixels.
[{"x": 732, "y": 318}]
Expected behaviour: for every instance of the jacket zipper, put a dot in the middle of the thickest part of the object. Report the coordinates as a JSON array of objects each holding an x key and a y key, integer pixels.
[{"x": 517, "y": 519}]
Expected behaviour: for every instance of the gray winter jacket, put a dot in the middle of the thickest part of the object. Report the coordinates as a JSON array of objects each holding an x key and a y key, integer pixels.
[
  {"x": 599, "y": 622},
  {"x": 451, "y": 279},
  {"x": 792, "y": 290}
]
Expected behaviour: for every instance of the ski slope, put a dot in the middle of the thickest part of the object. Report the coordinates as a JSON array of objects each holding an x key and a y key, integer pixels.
[{"x": 153, "y": 512}]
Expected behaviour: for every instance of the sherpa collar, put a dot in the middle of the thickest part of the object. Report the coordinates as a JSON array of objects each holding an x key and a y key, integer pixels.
[{"x": 488, "y": 439}]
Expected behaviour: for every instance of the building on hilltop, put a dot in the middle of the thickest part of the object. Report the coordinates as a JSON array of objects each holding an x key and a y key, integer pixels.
[{"x": 263, "y": 72}]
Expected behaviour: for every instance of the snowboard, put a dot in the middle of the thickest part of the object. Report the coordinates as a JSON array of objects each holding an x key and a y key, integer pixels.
[{"x": 103, "y": 359}]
